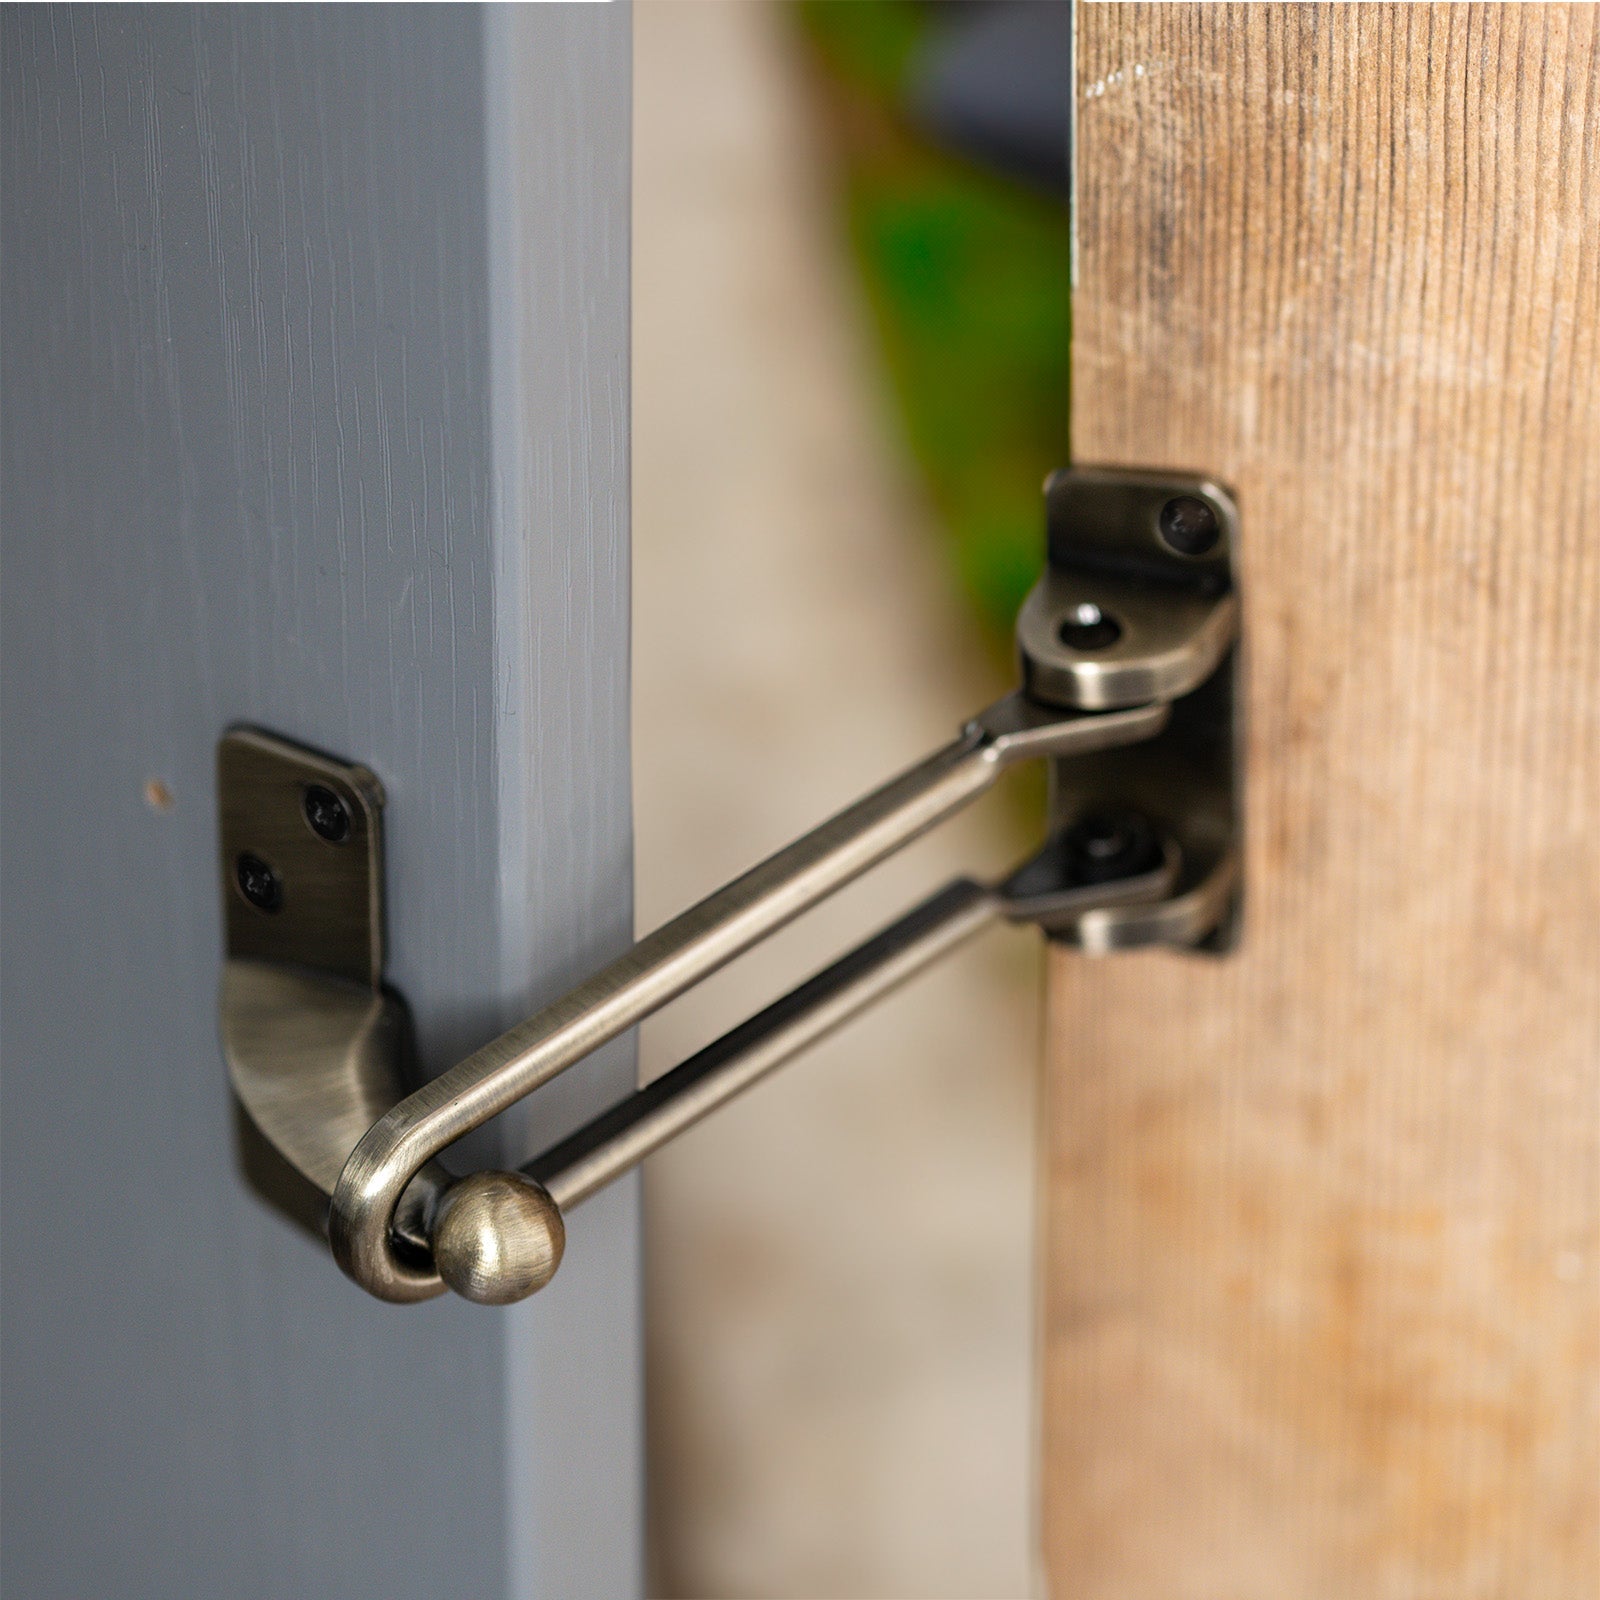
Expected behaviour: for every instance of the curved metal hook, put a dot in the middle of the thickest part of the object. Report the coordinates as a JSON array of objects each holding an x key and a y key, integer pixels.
[{"x": 677, "y": 956}]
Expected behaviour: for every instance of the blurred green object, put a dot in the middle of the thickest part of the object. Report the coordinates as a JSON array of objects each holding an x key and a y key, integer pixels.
[{"x": 967, "y": 277}]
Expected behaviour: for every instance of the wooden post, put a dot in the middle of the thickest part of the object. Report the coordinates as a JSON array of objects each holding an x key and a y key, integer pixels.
[{"x": 1322, "y": 1266}]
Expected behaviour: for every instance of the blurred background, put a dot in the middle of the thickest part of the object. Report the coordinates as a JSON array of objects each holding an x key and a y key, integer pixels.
[{"x": 850, "y": 378}]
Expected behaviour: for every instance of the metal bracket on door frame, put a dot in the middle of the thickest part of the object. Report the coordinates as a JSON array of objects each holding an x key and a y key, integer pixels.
[{"x": 1129, "y": 657}]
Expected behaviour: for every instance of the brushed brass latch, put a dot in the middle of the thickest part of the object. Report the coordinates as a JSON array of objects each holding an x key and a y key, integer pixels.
[{"x": 1129, "y": 663}]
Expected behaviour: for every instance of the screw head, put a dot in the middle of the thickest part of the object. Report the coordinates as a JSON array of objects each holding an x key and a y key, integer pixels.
[
  {"x": 1189, "y": 526},
  {"x": 258, "y": 883},
  {"x": 1087, "y": 627},
  {"x": 1108, "y": 845},
  {"x": 326, "y": 814}
]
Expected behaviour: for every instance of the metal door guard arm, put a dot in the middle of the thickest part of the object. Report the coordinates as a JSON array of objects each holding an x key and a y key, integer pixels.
[
  {"x": 674, "y": 958},
  {"x": 306, "y": 1021}
]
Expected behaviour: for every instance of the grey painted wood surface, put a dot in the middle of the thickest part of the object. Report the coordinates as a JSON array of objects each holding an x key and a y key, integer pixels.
[{"x": 315, "y": 415}]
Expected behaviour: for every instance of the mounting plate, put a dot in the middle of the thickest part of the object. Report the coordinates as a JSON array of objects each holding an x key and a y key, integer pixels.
[
  {"x": 315, "y": 1045},
  {"x": 1140, "y": 602}
]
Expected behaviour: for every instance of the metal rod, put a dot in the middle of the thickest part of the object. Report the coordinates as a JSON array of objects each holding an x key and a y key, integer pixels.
[
  {"x": 618, "y": 1139},
  {"x": 497, "y": 1237},
  {"x": 677, "y": 956}
]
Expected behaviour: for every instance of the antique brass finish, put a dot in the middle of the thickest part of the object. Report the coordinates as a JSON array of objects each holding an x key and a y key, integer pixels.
[
  {"x": 1173, "y": 616},
  {"x": 1111, "y": 543},
  {"x": 317, "y": 1049},
  {"x": 498, "y": 1237},
  {"x": 330, "y": 915},
  {"x": 675, "y": 957},
  {"x": 618, "y": 1139},
  {"x": 1129, "y": 661}
]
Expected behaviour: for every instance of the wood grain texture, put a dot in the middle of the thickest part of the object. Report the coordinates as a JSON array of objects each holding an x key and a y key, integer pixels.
[
  {"x": 1322, "y": 1267},
  {"x": 273, "y": 279}
]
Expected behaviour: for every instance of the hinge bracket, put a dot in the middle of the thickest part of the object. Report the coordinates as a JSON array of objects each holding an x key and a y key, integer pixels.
[{"x": 1140, "y": 602}]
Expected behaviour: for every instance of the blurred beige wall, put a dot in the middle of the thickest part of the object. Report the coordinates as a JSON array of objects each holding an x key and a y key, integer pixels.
[{"x": 840, "y": 1293}]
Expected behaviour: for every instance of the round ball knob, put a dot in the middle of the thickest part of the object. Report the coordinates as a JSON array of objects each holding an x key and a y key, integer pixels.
[{"x": 497, "y": 1238}]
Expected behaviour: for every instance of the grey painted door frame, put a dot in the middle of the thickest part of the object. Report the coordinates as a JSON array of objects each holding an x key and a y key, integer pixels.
[{"x": 314, "y": 415}]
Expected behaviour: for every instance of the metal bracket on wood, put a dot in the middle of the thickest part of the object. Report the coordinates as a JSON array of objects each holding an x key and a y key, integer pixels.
[{"x": 1129, "y": 658}]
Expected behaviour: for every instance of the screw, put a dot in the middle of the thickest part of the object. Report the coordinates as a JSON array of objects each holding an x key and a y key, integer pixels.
[
  {"x": 326, "y": 814},
  {"x": 258, "y": 883},
  {"x": 1089, "y": 628},
  {"x": 1110, "y": 845},
  {"x": 1103, "y": 840},
  {"x": 1189, "y": 525}
]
